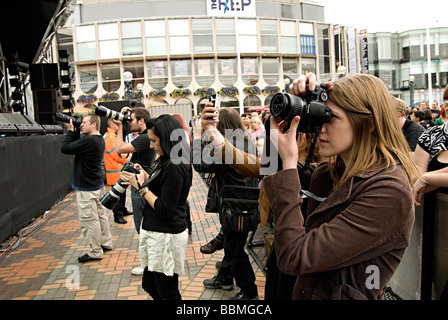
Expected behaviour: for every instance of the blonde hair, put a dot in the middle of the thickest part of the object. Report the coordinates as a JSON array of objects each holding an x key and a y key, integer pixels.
[
  {"x": 378, "y": 139},
  {"x": 399, "y": 106}
]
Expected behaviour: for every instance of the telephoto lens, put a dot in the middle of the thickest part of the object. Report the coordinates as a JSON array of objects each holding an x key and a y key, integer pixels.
[
  {"x": 111, "y": 114},
  {"x": 111, "y": 198},
  {"x": 76, "y": 120}
]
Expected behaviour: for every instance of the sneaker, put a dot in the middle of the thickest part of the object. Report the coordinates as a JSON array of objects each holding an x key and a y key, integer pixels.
[
  {"x": 242, "y": 296},
  {"x": 138, "y": 271},
  {"x": 213, "y": 283},
  {"x": 212, "y": 246}
]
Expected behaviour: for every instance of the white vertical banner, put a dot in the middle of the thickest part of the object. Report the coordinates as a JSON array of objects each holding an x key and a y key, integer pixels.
[
  {"x": 351, "y": 39},
  {"x": 231, "y": 8}
]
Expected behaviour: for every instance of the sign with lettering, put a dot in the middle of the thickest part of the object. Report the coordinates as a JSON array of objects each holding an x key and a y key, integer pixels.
[{"x": 231, "y": 8}]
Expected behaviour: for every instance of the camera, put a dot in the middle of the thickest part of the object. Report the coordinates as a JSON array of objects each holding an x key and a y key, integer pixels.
[
  {"x": 115, "y": 115},
  {"x": 312, "y": 109},
  {"x": 215, "y": 99},
  {"x": 111, "y": 198},
  {"x": 76, "y": 119}
]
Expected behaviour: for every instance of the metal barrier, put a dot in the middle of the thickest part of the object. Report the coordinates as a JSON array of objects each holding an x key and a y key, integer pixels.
[{"x": 423, "y": 271}]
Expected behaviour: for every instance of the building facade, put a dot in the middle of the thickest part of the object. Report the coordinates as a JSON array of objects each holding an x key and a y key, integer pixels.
[
  {"x": 181, "y": 51},
  {"x": 395, "y": 57}
]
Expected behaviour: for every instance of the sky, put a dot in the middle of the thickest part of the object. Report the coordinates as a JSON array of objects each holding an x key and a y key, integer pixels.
[{"x": 386, "y": 15}]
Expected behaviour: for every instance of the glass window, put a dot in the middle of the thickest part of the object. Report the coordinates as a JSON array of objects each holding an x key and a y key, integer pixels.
[
  {"x": 108, "y": 41},
  {"x": 205, "y": 71},
  {"x": 86, "y": 51},
  {"x": 248, "y": 41},
  {"x": 249, "y": 70},
  {"x": 85, "y": 43},
  {"x": 225, "y": 35},
  {"x": 202, "y": 35},
  {"x": 252, "y": 101},
  {"x": 155, "y": 38},
  {"x": 271, "y": 70},
  {"x": 157, "y": 73},
  {"x": 181, "y": 73},
  {"x": 308, "y": 65},
  {"x": 306, "y": 29},
  {"x": 268, "y": 36},
  {"x": 230, "y": 102},
  {"x": 131, "y": 34},
  {"x": 289, "y": 36},
  {"x": 227, "y": 70},
  {"x": 85, "y": 33},
  {"x": 110, "y": 76},
  {"x": 290, "y": 68},
  {"x": 107, "y": 31},
  {"x": 179, "y": 36},
  {"x": 137, "y": 70},
  {"x": 324, "y": 50},
  {"x": 88, "y": 78},
  {"x": 307, "y": 45}
]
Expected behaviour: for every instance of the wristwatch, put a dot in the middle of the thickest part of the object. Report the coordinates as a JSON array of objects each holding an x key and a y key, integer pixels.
[{"x": 142, "y": 191}]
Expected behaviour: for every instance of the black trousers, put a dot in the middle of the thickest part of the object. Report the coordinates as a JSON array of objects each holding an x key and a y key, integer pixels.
[
  {"x": 120, "y": 209},
  {"x": 160, "y": 286},
  {"x": 236, "y": 264}
]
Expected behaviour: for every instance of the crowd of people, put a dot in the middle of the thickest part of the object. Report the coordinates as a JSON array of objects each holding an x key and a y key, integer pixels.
[{"x": 351, "y": 208}]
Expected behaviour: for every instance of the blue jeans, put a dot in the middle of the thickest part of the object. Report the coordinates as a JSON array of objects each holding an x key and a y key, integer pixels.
[{"x": 138, "y": 203}]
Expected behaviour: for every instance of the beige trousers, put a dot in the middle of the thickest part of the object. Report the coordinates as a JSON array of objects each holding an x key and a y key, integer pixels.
[{"x": 94, "y": 221}]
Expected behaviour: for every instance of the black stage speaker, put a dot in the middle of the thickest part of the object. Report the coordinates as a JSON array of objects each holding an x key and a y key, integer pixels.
[
  {"x": 46, "y": 104},
  {"x": 44, "y": 76}
]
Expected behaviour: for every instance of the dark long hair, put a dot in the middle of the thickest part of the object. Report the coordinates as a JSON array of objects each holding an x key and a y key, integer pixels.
[{"x": 172, "y": 138}]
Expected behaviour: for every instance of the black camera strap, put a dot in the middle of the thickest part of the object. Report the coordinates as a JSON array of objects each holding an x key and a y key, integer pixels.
[
  {"x": 153, "y": 173},
  {"x": 311, "y": 152}
]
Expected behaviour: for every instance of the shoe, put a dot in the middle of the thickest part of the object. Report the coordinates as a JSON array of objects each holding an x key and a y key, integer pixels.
[
  {"x": 138, "y": 271},
  {"x": 86, "y": 258},
  {"x": 213, "y": 283},
  {"x": 128, "y": 213},
  {"x": 121, "y": 220},
  {"x": 212, "y": 246},
  {"x": 242, "y": 296},
  {"x": 106, "y": 249}
]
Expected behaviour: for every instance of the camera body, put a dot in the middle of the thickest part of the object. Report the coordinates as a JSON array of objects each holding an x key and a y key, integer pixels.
[
  {"x": 76, "y": 119},
  {"x": 312, "y": 109},
  {"x": 111, "y": 198},
  {"x": 115, "y": 115},
  {"x": 216, "y": 100}
]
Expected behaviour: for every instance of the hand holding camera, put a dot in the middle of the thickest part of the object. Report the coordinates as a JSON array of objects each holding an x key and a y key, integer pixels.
[{"x": 134, "y": 179}]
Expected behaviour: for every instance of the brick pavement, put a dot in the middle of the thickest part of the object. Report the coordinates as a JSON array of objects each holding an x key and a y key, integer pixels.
[{"x": 43, "y": 264}]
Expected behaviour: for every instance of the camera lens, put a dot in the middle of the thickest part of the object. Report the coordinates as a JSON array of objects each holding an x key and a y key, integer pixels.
[
  {"x": 286, "y": 106},
  {"x": 111, "y": 114}
]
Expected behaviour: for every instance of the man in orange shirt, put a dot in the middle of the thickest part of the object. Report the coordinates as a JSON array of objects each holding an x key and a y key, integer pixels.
[{"x": 113, "y": 161}]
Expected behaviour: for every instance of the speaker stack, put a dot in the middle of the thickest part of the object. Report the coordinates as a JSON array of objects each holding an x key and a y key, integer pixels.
[{"x": 47, "y": 98}]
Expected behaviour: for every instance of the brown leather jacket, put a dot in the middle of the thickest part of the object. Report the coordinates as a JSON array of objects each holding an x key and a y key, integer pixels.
[{"x": 350, "y": 244}]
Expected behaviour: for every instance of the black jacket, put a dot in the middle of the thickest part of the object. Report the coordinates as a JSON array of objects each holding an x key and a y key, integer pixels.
[
  {"x": 87, "y": 172},
  {"x": 205, "y": 161},
  {"x": 171, "y": 187}
]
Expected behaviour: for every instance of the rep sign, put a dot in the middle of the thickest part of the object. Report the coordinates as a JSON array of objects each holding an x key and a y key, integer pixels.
[{"x": 231, "y": 8}]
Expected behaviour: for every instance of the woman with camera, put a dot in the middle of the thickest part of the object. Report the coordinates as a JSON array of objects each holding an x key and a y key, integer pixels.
[
  {"x": 360, "y": 204},
  {"x": 163, "y": 234},
  {"x": 235, "y": 263}
]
